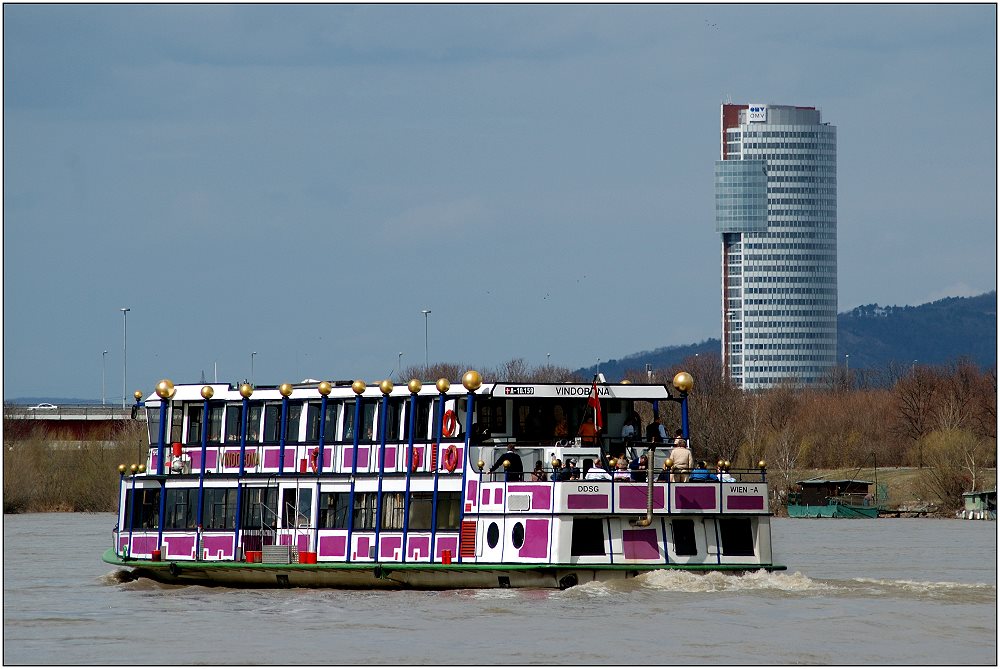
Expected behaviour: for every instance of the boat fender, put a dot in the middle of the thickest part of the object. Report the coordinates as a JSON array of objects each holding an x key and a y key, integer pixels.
[
  {"x": 450, "y": 423},
  {"x": 451, "y": 458},
  {"x": 314, "y": 459}
]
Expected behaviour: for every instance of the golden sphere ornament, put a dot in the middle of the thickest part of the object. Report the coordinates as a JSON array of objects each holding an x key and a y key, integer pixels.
[
  {"x": 762, "y": 464},
  {"x": 683, "y": 382},
  {"x": 165, "y": 389},
  {"x": 137, "y": 395},
  {"x": 207, "y": 392},
  {"x": 669, "y": 462},
  {"x": 133, "y": 468},
  {"x": 443, "y": 385},
  {"x": 324, "y": 388},
  {"x": 472, "y": 380},
  {"x": 358, "y": 387},
  {"x": 385, "y": 387},
  {"x": 122, "y": 469},
  {"x": 142, "y": 469},
  {"x": 246, "y": 390},
  {"x": 414, "y": 385},
  {"x": 285, "y": 389},
  {"x": 480, "y": 464}
]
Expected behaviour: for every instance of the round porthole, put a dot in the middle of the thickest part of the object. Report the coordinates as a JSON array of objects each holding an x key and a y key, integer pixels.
[
  {"x": 492, "y": 535},
  {"x": 517, "y": 535}
]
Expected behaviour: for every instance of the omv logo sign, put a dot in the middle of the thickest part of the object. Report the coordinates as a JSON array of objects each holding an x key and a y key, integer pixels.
[{"x": 757, "y": 114}]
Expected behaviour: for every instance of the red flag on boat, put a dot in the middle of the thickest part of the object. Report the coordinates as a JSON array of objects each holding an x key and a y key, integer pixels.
[{"x": 595, "y": 403}]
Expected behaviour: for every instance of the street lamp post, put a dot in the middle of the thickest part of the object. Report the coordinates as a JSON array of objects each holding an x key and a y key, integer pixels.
[
  {"x": 399, "y": 363},
  {"x": 124, "y": 311},
  {"x": 104, "y": 359},
  {"x": 425, "y": 312}
]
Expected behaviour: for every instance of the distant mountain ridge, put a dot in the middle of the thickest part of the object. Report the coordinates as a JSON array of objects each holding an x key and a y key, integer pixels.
[{"x": 873, "y": 336}]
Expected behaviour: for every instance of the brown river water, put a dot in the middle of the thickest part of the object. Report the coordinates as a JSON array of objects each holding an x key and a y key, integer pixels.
[{"x": 883, "y": 591}]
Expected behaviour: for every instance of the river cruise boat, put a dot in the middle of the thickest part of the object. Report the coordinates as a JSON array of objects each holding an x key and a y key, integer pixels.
[
  {"x": 832, "y": 498},
  {"x": 343, "y": 484}
]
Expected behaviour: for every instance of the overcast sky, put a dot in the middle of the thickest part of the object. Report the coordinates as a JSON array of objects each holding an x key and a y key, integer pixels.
[{"x": 301, "y": 181}]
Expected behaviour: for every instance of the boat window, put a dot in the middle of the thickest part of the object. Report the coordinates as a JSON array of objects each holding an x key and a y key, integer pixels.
[
  {"x": 684, "y": 541},
  {"x": 147, "y": 508},
  {"x": 737, "y": 536},
  {"x": 367, "y": 421},
  {"x": 234, "y": 417},
  {"x": 261, "y": 508},
  {"x": 492, "y": 414},
  {"x": 448, "y": 510},
  {"x": 194, "y": 424},
  {"x": 588, "y": 537},
  {"x": 153, "y": 424},
  {"x": 364, "y": 510},
  {"x": 272, "y": 422},
  {"x": 313, "y": 418},
  {"x": 547, "y": 421},
  {"x": 393, "y": 418},
  {"x": 296, "y": 507},
  {"x": 181, "y": 509},
  {"x": 333, "y": 509},
  {"x": 424, "y": 404},
  {"x": 220, "y": 509},
  {"x": 176, "y": 422},
  {"x": 215, "y": 423},
  {"x": 392, "y": 510}
]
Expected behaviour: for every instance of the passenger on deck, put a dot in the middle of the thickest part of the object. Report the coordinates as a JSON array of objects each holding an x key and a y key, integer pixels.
[
  {"x": 700, "y": 474},
  {"x": 655, "y": 431},
  {"x": 621, "y": 470},
  {"x": 539, "y": 472},
  {"x": 561, "y": 430},
  {"x": 683, "y": 461},
  {"x": 632, "y": 429},
  {"x": 597, "y": 473},
  {"x": 588, "y": 431},
  {"x": 723, "y": 475},
  {"x": 571, "y": 471},
  {"x": 515, "y": 470},
  {"x": 638, "y": 467}
]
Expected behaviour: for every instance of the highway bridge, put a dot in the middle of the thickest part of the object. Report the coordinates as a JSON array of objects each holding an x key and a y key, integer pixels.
[{"x": 68, "y": 425}]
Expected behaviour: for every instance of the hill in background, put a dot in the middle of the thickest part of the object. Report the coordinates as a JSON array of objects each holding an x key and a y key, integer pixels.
[{"x": 931, "y": 334}]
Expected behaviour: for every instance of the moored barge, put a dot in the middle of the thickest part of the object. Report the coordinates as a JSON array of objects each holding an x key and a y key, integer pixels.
[{"x": 342, "y": 484}]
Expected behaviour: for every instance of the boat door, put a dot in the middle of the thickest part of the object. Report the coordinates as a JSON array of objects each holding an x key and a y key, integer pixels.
[{"x": 296, "y": 514}]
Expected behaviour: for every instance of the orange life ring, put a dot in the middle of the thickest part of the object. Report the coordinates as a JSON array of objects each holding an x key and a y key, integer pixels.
[
  {"x": 313, "y": 458},
  {"x": 451, "y": 458},
  {"x": 416, "y": 460},
  {"x": 449, "y": 423}
]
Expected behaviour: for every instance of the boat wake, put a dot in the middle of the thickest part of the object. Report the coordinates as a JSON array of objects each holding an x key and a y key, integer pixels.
[
  {"x": 714, "y": 581},
  {"x": 940, "y": 591}
]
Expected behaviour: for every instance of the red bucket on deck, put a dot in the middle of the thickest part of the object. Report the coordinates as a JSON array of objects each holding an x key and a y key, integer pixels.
[
  {"x": 254, "y": 556},
  {"x": 307, "y": 557},
  {"x": 176, "y": 449},
  {"x": 156, "y": 555},
  {"x": 446, "y": 557}
]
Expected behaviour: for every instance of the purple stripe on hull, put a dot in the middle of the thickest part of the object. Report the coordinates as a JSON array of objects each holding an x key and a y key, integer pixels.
[
  {"x": 218, "y": 547},
  {"x": 389, "y": 547},
  {"x": 640, "y": 544},
  {"x": 418, "y": 548},
  {"x": 696, "y": 497},
  {"x": 178, "y": 547},
  {"x": 536, "y": 538},
  {"x": 333, "y": 547},
  {"x": 273, "y": 455},
  {"x": 634, "y": 497},
  {"x": 470, "y": 495},
  {"x": 745, "y": 502},
  {"x": 211, "y": 459},
  {"x": 587, "y": 501},
  {"x": 541, "y": 495}
]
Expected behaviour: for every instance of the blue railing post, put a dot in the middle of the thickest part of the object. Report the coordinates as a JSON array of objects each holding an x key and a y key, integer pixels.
[
  {"x": 359, "y": 388},
  {"x": 159, "y": 470},
  {"x": 684, "y": 416},
  {"x": 206, "y": 393},
  {"x": 442, "y": 386},
  {"x": 386, "y": 388},
  {"x": 131, "y": 515},
  {"x": 246, "y": 390},
  {"x": 414, "y": 387},
  {"x": 471, "y": 381},
  {"x": 284, "y": 425},
  {"x": 324, "y": 390}
]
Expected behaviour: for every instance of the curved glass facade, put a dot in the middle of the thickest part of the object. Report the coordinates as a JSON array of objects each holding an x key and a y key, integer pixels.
[{"x": 779, "y": 269}]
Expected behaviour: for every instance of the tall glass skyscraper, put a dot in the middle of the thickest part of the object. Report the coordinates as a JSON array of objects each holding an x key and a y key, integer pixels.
[{"x": 776, "y": 209}]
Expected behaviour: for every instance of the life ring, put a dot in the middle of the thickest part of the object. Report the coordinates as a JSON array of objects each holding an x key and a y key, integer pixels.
[
  {"x": 451, "y": 458},
  {"x": 449, "y": 423},
  {"x": 416, "y": 460},
  {"x": 313, "y": 459}
]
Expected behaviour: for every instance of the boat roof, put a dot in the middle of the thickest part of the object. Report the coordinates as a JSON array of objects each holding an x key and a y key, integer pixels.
[
  {"x": 819, "y": 480},
  {"x": 499, "y": 390}
]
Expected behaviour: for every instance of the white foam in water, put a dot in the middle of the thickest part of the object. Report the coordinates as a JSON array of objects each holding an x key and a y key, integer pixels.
[{"x": 714, "y": 581}]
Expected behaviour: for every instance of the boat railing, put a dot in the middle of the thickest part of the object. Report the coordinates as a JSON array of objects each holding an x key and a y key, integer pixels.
[{"x": 750, "y": 475}]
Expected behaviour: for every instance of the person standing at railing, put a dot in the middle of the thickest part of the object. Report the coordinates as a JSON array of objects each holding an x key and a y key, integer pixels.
[
  {"x": 683, "y": 460},
  {"x": 514, "y": 469}
]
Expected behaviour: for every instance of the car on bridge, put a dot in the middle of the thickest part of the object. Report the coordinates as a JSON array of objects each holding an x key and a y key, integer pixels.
[{"x": 43, "y": 405}]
